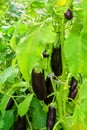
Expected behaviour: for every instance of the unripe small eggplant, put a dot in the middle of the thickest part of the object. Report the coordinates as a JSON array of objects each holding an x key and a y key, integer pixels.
[
  {"x": 38, "y": 84},
  {"x": 49, "y": 91},
  {"x": 56, "y": 61},
  {"x": 10, "y": 103},
  {"x": 27, "y": 91},
  {"x": 51, "y": 118},
  {"x": 73, "y": 84},
  {"x": 45, "y": 55},
  {"x": 68, "y": 15},
  {"x": 21, "y": 124},
  {"x": 72, "y": 94}
]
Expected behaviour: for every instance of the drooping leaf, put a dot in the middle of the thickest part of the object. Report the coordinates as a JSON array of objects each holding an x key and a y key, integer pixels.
[
  {"x": 24, "y": 106},
  {"x": 30, "y": 47}
]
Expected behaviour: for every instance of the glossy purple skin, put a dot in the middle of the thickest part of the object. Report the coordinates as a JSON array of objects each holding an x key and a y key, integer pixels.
[
  {"x": 51, "y": 118},
  {"x": 73, "y": 84},
  {"x": 72, "y": 94},
  {"x": 68, "y": 15},
  {"x": 38, "y": 84},
  {"x": 21, "y": 123},
  {"x": 49, "y": 88},
  {"x": 56, "y": 61}
]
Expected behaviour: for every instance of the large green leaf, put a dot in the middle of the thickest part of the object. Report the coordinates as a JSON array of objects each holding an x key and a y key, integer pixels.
[
  {"x": 7, "y": 120},
  {"x": 39, "y": 119},
  {"x": 30, "y": 47},
  {"x": 24, "y": 106},
  {"x": 78, "y": 119},
  {"x": 76, "y": 52}
]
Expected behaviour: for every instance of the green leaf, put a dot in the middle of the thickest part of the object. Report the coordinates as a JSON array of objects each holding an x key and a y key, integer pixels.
[
  {"x": 30, "y": 47},
  {"x": 78, "y": 119},
  {"x": 1, "y": 124},
  {"x": 8, "y": 95},
  {"x": 35, "y": 103},
  {"x": 39, "y": 119},
  {"x": 38, "y": 4},
  {"x": 24, "y": 106},
  {"x": 83, "y": 97},
  {"x": 7, "y": 120},
  {"x": 8, "y": 74},
  {"x": 76, "y": 52},
  {"x": 84, "y": 5},
  {"x": 4, "y": 101}
]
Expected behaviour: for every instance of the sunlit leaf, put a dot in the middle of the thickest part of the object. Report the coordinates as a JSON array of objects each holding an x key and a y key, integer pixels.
[
  {"x": 24, "y": 106},
  {"x": 30, "y": 47},
  {"x": 76, "y": 51},
  {"x": 8, "y": 74}
]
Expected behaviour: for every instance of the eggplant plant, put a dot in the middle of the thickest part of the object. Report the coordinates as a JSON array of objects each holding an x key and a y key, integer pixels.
[{"x": 43, "y": 54}]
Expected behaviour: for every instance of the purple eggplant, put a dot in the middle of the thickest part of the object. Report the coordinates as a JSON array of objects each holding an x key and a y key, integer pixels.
[
  {"x": 73, "y": 84},
  {"x": 49, "y": 88},
  {"x": 21, "y": 123},
  {"x": 10, "y": 104},
  {"x": 56, "y": 61},
  {"x": 68, "y": 14},
  {"x": 73, "y": 94},
  {"x": 38, "y": 84},
  {"x": 51, "y": 118}
]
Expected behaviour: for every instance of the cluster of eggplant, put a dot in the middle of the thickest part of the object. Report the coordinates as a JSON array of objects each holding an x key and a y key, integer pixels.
[
  {"x": 73, "y": 89},
  {"x": 42, "y": 88}
]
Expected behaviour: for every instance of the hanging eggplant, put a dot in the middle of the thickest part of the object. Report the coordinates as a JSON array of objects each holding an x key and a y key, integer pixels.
[
  {"x": 49, "y": 88},
  {"x": 51, "y": 118},
  {"x": 68, "y": 14},
  {"x": 73, "y": 88},
  {"x": 38, "y": 84},
  {"x": 56, "y": 61}
]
